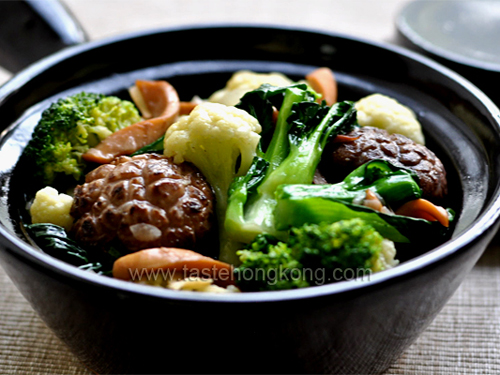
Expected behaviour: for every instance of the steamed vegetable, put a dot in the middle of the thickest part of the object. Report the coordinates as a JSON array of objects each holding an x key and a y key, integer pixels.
[
  {"x": 221, "y": 141},
  {"x": 300, "y": 204},
  {"x": 384, "y": 112},
  {"x": 55, "y": 242},
  {"x": 51, "y": 207},
  {"x": 302, "y": 130},
  {"x": 269, "y": 265},
  {"x": 314, "y": 254},
  {"x": 69, "y": 127},
  {"x": 260, "y": 158}
]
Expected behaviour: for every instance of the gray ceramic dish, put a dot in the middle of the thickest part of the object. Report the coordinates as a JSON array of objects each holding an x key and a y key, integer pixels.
[{"x": 463, "y": 35}]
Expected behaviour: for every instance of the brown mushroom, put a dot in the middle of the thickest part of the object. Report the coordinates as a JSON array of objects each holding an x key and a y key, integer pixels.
[
  {"x": 142, "y": 202},
  {"x": 368, "y": 143}
]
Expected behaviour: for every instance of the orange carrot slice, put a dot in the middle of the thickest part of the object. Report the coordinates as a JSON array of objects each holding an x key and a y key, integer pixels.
[
  {"x": 186, "y": 263},
  {"x": 423, "y": 209},
  {"x": 323, "y": 82},
  {"x": 162, "y": 103}
]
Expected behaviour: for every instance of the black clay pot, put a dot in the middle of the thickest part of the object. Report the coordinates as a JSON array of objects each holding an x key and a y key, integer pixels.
[{"x": 346, "y": 327}]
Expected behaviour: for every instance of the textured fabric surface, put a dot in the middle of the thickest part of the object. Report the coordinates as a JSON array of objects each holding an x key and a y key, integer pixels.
[{"x": 464, "y": 338}]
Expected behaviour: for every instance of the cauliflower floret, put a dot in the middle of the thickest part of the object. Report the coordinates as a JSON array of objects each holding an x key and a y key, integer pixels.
[
  {"x": 383, "y": 112},
  {"x": 385, "y": 259},
  {"x": 243, "y": 81},
  {"x": 213, "y": 137},
  {"x": 201, "y": 285},
  {"x": 192, "y": 284},
  {"x": 51, "y": 207}
]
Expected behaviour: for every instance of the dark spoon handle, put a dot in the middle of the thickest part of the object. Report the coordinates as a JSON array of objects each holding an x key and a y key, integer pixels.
[{"x": 32, "y": 29}]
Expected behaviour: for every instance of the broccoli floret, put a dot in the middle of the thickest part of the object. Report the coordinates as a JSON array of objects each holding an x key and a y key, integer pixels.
[
  {"x": 343, "y": 244},
  {"x": 268, "y": 264},
  {"x": 313, "y": 254},
  {"x": 69, "y": 127}
]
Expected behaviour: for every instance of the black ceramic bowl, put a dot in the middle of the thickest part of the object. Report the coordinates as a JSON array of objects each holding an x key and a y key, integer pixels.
[{"x": 346, "y": 327}]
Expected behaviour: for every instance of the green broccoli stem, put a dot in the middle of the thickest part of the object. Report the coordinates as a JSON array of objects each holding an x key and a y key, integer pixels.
[
  {"x": 262, "y": 207},
  {"x": 394, "y": 188},
  {"x": 298, "y": 168},
  {"x": 227, "y": 245},
  {"x": 228, "y": 249}
]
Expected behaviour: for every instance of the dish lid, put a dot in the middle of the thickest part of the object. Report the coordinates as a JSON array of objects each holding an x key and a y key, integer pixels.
[{"x": 465, "y": 32}]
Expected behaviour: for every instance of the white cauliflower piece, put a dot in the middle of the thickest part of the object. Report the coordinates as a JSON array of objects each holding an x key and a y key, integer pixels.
[
  {"x": 201, "y": 285},
  {"x": 385, "y": 259},
  {"x": 51, "y": 207},
  {"x": 213, "y": 137},
  {"x": 243, "y": 81},
  {"x": 383, "y": 112}
]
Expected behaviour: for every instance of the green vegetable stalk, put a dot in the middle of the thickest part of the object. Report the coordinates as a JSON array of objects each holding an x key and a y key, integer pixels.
[
  {"x": 302, "y": 130},
  {"x": 300, "y": 204}
]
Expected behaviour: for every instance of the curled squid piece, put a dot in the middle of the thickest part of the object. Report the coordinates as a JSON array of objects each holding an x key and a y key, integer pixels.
[
  {"x": 159, "y": 105},
  {"x": 175, "y": 268},
  {"x": 187, "y": 107}
]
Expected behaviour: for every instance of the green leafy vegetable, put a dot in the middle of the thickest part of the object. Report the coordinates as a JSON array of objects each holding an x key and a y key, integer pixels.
[
  {"x": 53, "y": 240},
  {"x": 155, "y": 148},
  {"x": 302, "y": 130},
  {"x": 300, "y": 204}
]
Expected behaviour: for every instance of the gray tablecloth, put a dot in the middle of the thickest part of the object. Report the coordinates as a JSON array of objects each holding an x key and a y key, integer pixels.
[{"x": 465, "y": 337}]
